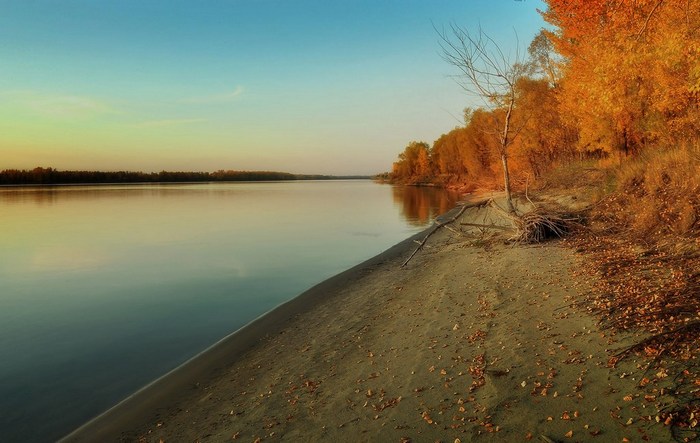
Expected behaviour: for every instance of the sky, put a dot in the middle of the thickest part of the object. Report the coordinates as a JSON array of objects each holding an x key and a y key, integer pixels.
[{"x": 303, "y": 86}]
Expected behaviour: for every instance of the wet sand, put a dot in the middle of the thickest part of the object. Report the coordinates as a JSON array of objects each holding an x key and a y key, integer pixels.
[{"x": 473, "y": 340}]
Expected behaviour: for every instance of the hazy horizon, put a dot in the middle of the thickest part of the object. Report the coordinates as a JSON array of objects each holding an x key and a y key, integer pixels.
[{"x": 305, "y": 87}]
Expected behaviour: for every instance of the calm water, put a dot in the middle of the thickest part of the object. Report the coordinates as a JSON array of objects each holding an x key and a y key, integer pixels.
[{"x": 103, "y": 289}]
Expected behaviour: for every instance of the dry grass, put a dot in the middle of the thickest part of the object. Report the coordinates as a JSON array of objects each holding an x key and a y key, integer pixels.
[
  {"x": 659, "y": 194},
  {"x": 645, "y": 243}
]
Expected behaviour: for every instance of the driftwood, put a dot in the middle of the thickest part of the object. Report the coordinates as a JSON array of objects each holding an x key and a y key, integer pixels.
[
  {"x": 532, "y": 227},
  {"x": 478, "y": 204}
]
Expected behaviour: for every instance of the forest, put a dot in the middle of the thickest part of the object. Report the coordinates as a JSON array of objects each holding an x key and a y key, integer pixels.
[
  {"x": 50, "y": 176},
  {"x": 606, "y": 81}
]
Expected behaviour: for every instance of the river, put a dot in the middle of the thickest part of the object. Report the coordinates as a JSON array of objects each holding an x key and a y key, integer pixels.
[{"x": 105, "y": 288}]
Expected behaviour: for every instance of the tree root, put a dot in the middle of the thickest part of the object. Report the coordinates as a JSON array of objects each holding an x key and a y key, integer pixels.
[{"x": 543, "y": 224}]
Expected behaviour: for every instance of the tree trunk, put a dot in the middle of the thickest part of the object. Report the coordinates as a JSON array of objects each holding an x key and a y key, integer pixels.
[
  {"x": 505, "y": 141},
  {"x": 506, "y": 181}
]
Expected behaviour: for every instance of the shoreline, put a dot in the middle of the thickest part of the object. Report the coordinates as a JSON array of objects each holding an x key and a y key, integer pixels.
[
  {"x": 473, "y": 340},
  {"x": 168, "y": 388}
]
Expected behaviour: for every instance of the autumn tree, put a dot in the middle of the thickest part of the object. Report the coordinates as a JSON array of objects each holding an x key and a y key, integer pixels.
[
  {"x": 632, "y": 70},
  {"x": 544, "y": 60},
  {"x": 545, "y": 139},
  {"x": 414, "y": 164},
  {"x": 466, "y": 153},
  {"x": 485, "y": 71}
]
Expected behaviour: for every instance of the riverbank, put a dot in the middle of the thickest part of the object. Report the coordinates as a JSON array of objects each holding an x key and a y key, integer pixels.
[{"x": 474, "y": 339}]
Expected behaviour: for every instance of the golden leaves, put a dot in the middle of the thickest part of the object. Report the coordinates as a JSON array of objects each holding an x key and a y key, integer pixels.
[{"x": 427, "y": 418}]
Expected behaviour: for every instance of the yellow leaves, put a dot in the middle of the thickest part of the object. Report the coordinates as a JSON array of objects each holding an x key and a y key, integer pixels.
[{"x": 427, "y": 418}]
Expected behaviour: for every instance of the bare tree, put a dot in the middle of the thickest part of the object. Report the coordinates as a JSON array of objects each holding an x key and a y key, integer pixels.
[{"x": 485, "y": 71}]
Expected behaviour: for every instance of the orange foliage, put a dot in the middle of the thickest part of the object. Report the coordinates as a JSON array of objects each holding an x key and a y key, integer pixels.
[
  {"x": 414, "y": 164},
  {"x": 609, "y": 78},
  {"x": 632, "y": 72}
]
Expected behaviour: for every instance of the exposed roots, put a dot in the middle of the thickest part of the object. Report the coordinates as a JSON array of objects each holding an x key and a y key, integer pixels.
[{"x": 543, "y": 224}]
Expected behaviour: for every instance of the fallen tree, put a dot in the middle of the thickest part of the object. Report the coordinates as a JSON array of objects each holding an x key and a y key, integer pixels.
[{"x": 534, "y": 226}]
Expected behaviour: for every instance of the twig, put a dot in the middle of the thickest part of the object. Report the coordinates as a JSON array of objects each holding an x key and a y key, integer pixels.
[
  {"x": 456, "y": 232},
  {"x": 646, "y": 22},
  {"x": 620, "y": 355}
]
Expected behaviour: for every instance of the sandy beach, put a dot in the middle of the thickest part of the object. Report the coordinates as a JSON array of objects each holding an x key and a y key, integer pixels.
[{"x": 474, "y": 340}]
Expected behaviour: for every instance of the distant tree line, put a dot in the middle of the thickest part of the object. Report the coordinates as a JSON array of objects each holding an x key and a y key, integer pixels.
[{"x": 50, "y": 176}]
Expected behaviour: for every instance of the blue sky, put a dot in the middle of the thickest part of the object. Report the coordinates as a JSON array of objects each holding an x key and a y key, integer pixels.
[{"x": 333, "y": 87}]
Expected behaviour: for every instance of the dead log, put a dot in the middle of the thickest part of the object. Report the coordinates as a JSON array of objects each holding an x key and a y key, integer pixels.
[
  {"x": 478, "y": 204},
  {"x": 532, "y": 227}
]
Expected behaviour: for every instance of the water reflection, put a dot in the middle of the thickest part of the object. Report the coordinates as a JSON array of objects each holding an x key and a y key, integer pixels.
[
  {"x": 420, "y": 205},
  {"x": 48, "y": 195}
]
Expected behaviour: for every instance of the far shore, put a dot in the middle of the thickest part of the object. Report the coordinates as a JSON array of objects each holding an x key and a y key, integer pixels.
[{"x": 473, "y": 340}]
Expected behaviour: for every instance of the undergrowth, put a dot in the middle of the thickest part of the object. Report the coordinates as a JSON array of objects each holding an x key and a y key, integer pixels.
[{"x": 644, "y": 243}]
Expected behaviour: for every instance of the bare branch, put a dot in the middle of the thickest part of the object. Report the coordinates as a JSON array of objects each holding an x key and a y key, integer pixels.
[{"x": 646, "y": 22}]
